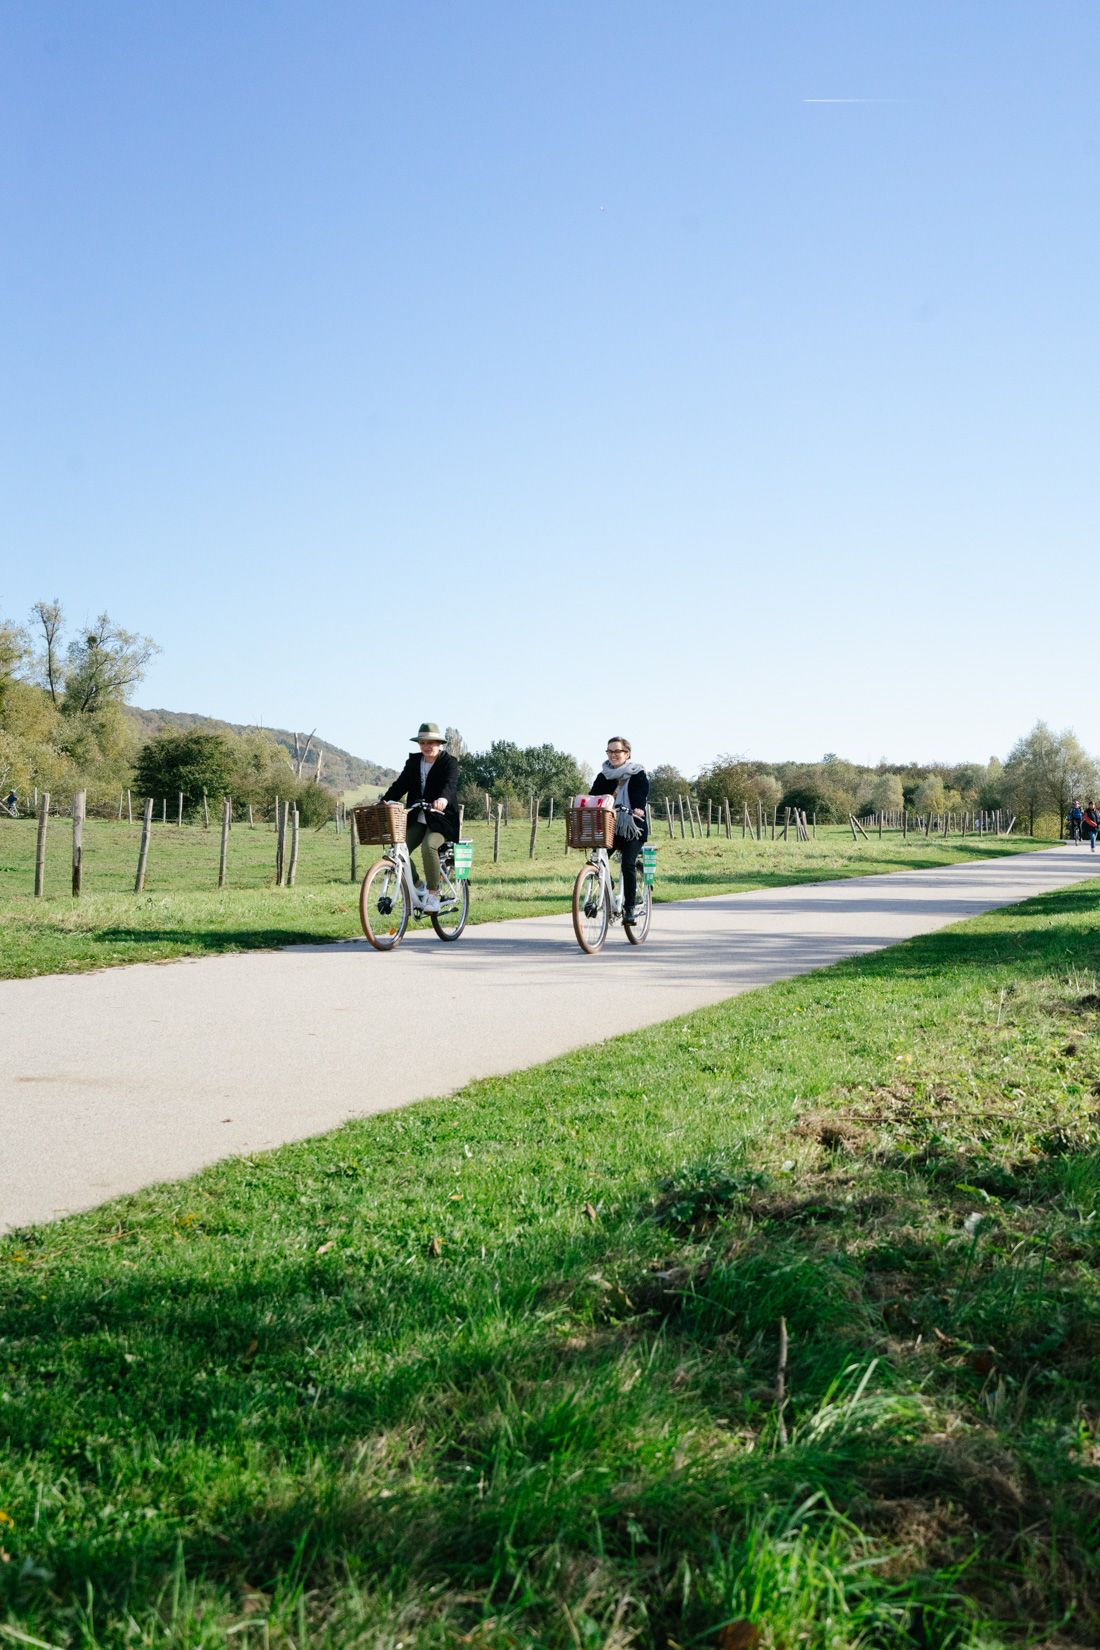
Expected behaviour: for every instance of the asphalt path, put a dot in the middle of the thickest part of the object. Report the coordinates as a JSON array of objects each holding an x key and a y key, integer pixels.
[{"x": 116, "y": 1079}]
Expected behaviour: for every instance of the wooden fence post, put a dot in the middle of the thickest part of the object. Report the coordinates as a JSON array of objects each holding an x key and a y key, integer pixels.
[
  {"x": 80, "y": 799},
  {"x": 129, "y": 809},
  {"x": 709, "y": 807},
  {"x": 251, "y": 821},
  {"x": 205, "y": 813},
  {"x": 143, "y": 854},
  {"x": 506, "y": 810},
  {"x": 744, "y": 820},
  {"x": 852, "y": 823},
  {"x": 775, "y": 814},
  {"x": 353, "y": 832},
  {"x": 40, "y": 846},
  {"x": 488, "y": 810},
  {"x": 121, "y": 800},
  {"x": 680, "y": 805},
  {"x": 786, "y": 823},
  {"x": 928, "y": 823},
  {"x": 535, "y": 800},
  {"x": 668, "y": 812},
  {"x": 293, "y": 872},
  {"x": 461, "y": 817},
  {"x": 550, "y": 814},
  {"x": 280, "y": 839},
  {"x": 815, "y": 824},
  {"x": 164, "y": 810},
  {"x": 496, "y": 833},
  {"x": 225, "y": 841}
]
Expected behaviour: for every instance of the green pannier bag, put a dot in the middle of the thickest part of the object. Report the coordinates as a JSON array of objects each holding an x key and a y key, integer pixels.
[
  {"x": 649, "y": 864},
  {"x": 464, "y": 859}
]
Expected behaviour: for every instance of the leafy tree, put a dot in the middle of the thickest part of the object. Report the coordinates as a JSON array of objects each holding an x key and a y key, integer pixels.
[
  {"x": 730, "y": 776},
  {"x": 887, "y": 796},
  {"x": 991, "y": 791},
  {"x": 929, "y": 798},
  {"x": 104, "y": 663},
  {"x": 505, "y": 769},
  {"x": 666, "y": 783},
  {"x": 194, "y": 762},
  {"x": 1046, "y": 770}
]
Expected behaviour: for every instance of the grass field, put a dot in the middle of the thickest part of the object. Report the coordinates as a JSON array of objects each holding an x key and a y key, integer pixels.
[
  {"x": 501, "y": 1370},
  {"x": 183, "y": 913}
]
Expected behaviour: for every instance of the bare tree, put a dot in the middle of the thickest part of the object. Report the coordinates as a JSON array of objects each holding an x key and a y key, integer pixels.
[
  {"x": 300, "y": 753},
  {"x": 49, "y": 618}
]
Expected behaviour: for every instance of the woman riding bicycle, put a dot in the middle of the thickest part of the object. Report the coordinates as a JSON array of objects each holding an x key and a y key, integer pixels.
[
  {"x": 628, "y": 782},
  {"x": 430, "y": 779}
]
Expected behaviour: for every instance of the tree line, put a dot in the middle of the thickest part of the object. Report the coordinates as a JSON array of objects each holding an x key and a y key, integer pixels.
[{"x": 62, "y": 728}]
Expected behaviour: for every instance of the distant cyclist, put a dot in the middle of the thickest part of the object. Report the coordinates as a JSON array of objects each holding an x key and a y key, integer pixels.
[
  {"x": 430, "y": 778},
  {"x": 1090, "y": 819},
  {"x": 628, "y": 782},
  {"x": 1076, "y": 818}
]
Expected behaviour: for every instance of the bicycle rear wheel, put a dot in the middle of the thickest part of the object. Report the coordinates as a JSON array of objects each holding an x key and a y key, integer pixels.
[
  {"x": 454, "y": 900},
  {"x": 384, "y": 903},
  {"x": 591, "y": 909},
  {"x": 643, "y": 905}
]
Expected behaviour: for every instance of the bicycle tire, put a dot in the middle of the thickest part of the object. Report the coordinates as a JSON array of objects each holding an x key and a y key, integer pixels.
[
  {"x": 389, "y": 928},
  {"x": 457, "y": 918},
  {"x": 591, "y": 909},
  {"x": 636, "y": 932}
]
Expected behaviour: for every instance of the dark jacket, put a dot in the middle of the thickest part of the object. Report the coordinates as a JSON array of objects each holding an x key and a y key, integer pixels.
[
  {"x": 637, "y": 793},
  {"x": 442, "y": 781}
]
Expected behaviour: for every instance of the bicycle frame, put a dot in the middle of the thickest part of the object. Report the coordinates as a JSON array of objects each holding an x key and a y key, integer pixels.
[
  {"x": 602, "y": 858},
  {"x": 400, "y": 857}
]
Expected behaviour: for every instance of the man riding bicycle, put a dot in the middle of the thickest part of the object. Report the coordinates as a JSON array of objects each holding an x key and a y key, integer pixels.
[{"x": 430, "y": 779}]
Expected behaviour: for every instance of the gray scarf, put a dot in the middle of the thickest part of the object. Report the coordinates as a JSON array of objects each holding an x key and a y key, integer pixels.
[{"x": 625, "y": 823}]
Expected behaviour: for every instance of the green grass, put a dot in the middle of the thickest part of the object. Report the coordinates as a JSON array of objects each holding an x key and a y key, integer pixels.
[
  {"x": 182, "y": 913},
  {"x": 500, "y": 1370}
]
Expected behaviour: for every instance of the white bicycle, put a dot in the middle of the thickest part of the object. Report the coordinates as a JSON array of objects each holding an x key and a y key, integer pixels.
[
  {"x": 390, "y": 896},
  {"x": 598, "y": 901}
]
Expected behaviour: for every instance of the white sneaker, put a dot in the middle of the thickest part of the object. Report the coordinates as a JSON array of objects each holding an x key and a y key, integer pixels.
[{"x": 431, "y": 902}]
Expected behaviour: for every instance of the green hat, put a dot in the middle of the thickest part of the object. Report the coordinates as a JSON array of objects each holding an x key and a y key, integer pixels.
[{"x": 428, "y": 730}]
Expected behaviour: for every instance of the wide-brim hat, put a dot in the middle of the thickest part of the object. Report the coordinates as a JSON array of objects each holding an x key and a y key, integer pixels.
[{"x": 428, "y": 730}]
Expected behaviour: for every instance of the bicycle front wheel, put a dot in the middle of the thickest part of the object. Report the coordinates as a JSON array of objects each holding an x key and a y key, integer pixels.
[
  {"x": 384, "y": 903},
  {"x": 643, "y": 905},
  {"x": 591, "y": 909},
  {"x": 454, "y": 902}
]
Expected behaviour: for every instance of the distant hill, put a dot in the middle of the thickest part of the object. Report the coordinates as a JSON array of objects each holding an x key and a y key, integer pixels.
[{"x": 339, "y": 769}]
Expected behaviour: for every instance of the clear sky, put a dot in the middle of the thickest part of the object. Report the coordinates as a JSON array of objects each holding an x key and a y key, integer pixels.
[{"x": 720, "y": 374}]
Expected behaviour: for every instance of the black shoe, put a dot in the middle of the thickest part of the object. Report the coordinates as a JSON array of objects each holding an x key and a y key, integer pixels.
[{"x": 631, "y": 916}]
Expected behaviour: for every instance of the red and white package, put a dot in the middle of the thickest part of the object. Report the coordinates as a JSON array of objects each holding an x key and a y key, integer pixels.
[{"x": 593, "y": 802}]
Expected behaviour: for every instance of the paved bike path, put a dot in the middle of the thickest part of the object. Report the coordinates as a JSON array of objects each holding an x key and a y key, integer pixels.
[{"x": 130, "y": 1075}]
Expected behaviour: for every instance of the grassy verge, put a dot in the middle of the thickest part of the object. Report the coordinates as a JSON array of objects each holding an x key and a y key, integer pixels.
[
  {"x": 501, "y": 1370},
  {"x": 182, "y": 913}
]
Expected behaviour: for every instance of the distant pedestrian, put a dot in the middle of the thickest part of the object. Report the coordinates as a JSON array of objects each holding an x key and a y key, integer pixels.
[
  {"x": 11, "y": 804},
  {"x": 1076, "y": 815},
  {"x": 1090, "y": 819}
]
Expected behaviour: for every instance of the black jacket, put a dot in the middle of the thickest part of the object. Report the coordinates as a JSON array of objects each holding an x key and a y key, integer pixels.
[
  {"x": 442, "y": 781},
  {"x": 637, "y": 793}
]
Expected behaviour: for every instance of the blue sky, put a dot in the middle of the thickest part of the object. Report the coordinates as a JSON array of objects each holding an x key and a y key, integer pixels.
[{"x": 721, "y": 374}]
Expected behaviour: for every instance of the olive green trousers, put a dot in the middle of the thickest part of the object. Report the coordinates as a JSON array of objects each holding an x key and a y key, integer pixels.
[{"x": 429, "y": 842}]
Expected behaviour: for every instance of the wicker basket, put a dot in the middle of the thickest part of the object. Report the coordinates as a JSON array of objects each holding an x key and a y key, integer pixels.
[
  {"x": 380, "y": 825},
  {"x": 591, "y": 828}
]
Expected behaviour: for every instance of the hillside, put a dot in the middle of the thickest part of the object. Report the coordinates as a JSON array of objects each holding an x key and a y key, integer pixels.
[{"x": 339, "y": 769}]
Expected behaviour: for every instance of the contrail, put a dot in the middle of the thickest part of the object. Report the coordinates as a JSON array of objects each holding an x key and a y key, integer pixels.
[{"x": 853, "y": 100}]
